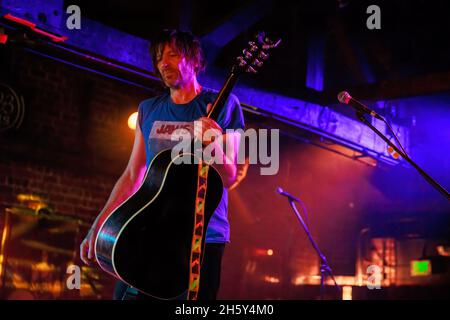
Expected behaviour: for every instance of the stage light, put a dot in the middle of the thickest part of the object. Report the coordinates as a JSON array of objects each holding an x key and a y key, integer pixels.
[
  {"x": 5, "y": 235},
  {"x": 271, "y": 279},
  {"x": 346, "y": 293},
  {"x": 443, "y": 250},
  {"x": 3, "y": 38},
  {"x": 132, "y": 119},
  {"x": 262, "y": 252}
]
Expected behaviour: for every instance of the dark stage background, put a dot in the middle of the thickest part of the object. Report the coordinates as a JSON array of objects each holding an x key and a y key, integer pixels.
[{"x": 74, "y": 142}]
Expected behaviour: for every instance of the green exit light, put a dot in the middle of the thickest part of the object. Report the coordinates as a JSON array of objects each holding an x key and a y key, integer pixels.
[{"x": 420, "y": 267}]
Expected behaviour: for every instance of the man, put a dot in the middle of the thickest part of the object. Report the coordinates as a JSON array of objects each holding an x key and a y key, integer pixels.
[{"x": 178, "y": 58}]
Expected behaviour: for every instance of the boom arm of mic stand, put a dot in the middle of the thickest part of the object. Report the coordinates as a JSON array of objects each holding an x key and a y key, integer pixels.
[{"x": 410, "y": 161}]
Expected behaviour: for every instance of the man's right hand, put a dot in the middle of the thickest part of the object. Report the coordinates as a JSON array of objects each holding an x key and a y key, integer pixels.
[{"x": 87, "y": 248}]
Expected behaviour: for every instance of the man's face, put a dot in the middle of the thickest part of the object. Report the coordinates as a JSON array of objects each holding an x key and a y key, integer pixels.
[{"x": 174, "y": 68}]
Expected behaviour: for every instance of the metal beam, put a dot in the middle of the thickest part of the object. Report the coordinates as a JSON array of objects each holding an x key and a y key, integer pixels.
[
  {"x": 93, "y": 36},
  {"x": 234, "y": 26},
  {"x": 318, "y": 119},
  {"x": 399, "y": 88}
]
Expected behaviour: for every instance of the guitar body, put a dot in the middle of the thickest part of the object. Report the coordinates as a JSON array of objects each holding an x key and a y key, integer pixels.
[{"x": 146, "y": 241}]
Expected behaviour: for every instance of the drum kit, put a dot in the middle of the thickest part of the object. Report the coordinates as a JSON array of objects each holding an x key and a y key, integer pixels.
[{"x": 36, "y": 248}]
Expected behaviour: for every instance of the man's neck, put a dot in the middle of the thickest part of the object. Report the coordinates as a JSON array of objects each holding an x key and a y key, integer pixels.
[{"x": 186, "y": 93}]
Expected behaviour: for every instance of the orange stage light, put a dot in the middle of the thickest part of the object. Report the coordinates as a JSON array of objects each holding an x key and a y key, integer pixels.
[{"x": 132, "y": 119}]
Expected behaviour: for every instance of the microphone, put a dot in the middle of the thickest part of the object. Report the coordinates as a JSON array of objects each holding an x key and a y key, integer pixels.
[
  {"x": 284, "y": 193},
  {"x": 345, "y": 98}
]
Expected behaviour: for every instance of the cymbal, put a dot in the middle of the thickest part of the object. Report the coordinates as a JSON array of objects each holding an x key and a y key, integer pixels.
[
  {"x": 22, "y": 197},
  {"x": 44, "y": 230},
  {"x": 43, "y": 266},
  {"x": 45, "y": 247},
  {"x": 47, "y": 214},
  {"x": 22, "y": 211}
]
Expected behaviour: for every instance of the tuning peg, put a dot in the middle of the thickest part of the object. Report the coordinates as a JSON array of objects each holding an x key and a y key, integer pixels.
[
  {"x": 251, "y": 70},
  {"x": 242, "y": 61},
  {"x": 259, "y": 36},
  {"x": 270, "y": 44},
  {"x": 262, "y": 55},
  {"x": 247, "y": 53},
  {"x": 253, "y": 46},
  {"x": 257, "y": 63}
]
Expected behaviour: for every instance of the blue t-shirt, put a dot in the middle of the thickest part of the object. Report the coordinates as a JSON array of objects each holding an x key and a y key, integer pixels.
[{"x": 159, "y": 117}]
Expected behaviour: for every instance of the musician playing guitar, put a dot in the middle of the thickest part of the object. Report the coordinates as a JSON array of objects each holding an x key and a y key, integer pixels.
[{"x": 178, "y": 58}]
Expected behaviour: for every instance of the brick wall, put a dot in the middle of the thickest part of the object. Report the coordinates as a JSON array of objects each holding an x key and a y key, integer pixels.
[{"x": 74, "y": 141}]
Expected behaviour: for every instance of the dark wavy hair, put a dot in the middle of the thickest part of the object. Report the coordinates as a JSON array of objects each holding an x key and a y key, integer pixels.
[{"x": 185, "y": 43}]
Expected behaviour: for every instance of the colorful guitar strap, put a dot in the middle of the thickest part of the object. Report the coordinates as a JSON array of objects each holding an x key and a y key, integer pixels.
[{"x": 199, "y": 230}]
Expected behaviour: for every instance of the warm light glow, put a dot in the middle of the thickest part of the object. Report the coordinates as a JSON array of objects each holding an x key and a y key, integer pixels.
[
  {"x": 3, "y": 243},
  {"x": 28, "y": 197},
  {"x": 271, "y": 279},
  {"x": 443, "y": 251},
  {"x": 1, "y": 265},
  {"x": 263, "y": 252},
  {"x": 315, "y": 279},
  {"x": 346, "y": 293},
  {"x": 132, "y": 119}
]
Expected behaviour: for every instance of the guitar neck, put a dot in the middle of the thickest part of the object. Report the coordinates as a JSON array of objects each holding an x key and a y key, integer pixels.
[
  {"x": 251, "y": 59},
  {"x": 222, "y": 97}
]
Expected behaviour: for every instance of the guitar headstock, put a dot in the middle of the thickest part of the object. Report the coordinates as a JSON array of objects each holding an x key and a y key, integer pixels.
[{"x": 255, "y": 54}]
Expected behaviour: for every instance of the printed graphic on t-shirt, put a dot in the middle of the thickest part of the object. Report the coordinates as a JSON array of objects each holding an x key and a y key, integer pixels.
[
  {"x": 166, "y": 134},
  {"x": 165, "y": 129}
]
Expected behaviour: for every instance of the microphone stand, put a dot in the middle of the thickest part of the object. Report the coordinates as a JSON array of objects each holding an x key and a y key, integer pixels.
[
  {"x": 324, "y": 267},
  {"x": 429, "y": 179}
]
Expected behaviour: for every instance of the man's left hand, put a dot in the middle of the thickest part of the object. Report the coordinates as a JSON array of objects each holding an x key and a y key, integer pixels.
[{"x": 202, "y": 125}]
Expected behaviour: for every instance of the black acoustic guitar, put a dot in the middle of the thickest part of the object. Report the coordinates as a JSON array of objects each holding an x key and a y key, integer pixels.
[{"x": 147, "y": 241}]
